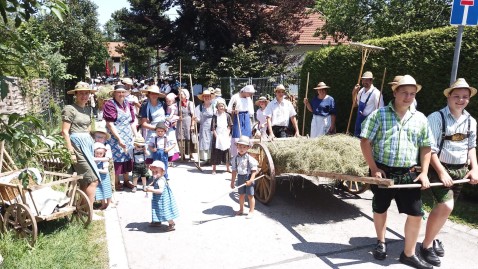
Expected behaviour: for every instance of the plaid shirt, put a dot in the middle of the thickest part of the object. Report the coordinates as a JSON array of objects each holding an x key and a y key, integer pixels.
[
  {"x": 396, "y": 143},
  {"x": 453, "y": 152}
]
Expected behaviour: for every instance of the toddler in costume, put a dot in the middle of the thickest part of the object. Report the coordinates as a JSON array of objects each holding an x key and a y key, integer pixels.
[
  {"x": 172, "y": 116},
  {"x": 103, "y": 190},
  {"x": 163, "y": 204},
  {"x": 159, "y": 145},
  {"x": 138, "y": 154}
]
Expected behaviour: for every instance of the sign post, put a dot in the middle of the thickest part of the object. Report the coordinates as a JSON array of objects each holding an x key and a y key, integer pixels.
[{"x": 463, "y": 13}]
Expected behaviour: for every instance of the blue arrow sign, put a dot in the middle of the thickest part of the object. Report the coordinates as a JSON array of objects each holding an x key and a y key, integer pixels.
[{"x": 464, "y": 12}]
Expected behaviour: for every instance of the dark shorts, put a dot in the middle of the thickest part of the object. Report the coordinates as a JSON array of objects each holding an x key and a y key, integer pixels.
[
  {"x": 123, "y": 167},
  {"x": 409, "y": 201},
  {"x": 443, "y": 194},
  {"x": 279, "y": 131},
  {"x": 140, "y": 170},
  {"x": 249, "y": 190}
]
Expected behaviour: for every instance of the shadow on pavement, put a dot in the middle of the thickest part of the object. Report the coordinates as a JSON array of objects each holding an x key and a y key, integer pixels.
[{"x": 146, "y": 228}]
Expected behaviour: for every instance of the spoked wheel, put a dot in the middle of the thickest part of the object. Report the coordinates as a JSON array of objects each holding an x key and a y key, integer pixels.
[
  {"x": 84, "y": 208},
  {"x": 354, "y": 187},
  {"x": 266, "y": 186},
  {"x": 19, "y": 218}
]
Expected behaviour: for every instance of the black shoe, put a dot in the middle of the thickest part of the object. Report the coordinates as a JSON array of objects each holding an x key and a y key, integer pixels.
[
  {"x": 380, "y": 251},
  {"x": 439, "y": 248},
  {"x": 429, "y": 255},
  {"x": 415, "y": 261}
]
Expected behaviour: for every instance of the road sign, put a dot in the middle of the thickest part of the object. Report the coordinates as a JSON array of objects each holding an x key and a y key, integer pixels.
[{"x": 464, "y": 12}]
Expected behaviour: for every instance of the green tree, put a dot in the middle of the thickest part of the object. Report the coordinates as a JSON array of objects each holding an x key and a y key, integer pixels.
[
  {"x": 110, "y": 31},
  {"x": 366, "y": 19}
]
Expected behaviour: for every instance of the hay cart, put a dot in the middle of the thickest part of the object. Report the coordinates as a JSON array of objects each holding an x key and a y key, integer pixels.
[
  {"x": 266, "y": 186},
  {"x": 56, "y": 197}
]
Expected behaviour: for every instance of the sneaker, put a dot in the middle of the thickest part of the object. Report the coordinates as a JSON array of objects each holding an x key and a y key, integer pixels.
[
  {"x": 429, "y": 255},
  {"x": 380, "y": 250},
  {"x": 439, "y": 248},
  {"x": 415, "y": 261},
  {"x": 134, "y": 189}
]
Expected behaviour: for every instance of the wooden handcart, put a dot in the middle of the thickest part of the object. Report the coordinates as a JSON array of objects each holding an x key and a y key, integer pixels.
[
  {"x": 266, "y": 186},
  {"x": 21, "y": 210}
]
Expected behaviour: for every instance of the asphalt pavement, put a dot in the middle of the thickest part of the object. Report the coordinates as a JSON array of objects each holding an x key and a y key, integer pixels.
[{"x": 311, "y": 227}]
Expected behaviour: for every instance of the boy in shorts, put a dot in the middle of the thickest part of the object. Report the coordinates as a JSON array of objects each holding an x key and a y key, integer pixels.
[
  {"x": 138, "y": 154},
  {"x": 245, "y": 167}
]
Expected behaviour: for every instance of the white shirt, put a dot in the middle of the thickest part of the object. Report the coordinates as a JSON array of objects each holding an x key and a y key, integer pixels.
[
  {"x": 372, "y": 103},
  {"x": 242, "y": 104},
  {"x": 280, "y": 113}
]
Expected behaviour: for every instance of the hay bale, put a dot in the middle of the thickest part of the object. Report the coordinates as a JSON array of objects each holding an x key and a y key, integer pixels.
[{"x": 334, "y": 154}]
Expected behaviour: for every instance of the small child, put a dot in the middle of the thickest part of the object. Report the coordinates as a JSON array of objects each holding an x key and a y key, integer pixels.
[
  {"x": 261, "y": 118},
  {"x": 172, "y": 116},
  {"x": 163, "y": 204},
  {"x": 138, "y": 153},
  {"x": 101, "y": 135},
  {"x": 103, "y": 190},
  {"x": 221, "y": 140},
  {"x": 245, "y": 167},
  {"x": 159, "y": 146}
]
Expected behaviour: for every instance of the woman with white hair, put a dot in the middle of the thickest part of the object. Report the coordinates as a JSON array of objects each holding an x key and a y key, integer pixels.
[{"x": 184, "y": 126}]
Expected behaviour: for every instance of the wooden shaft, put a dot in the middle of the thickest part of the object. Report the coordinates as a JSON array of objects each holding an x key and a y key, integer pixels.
[
  {"x": 2, "y": 144},
  {"x": 305, "y": 107},
  {"x": 195, "y": 123},
  {"x": 381, "y": 87},
  {"x": 364, "y": 59},
  {"x": 370, "y": 180},
  {"x": 181, "y": 141},
  {"x": 415, "y": 185}
]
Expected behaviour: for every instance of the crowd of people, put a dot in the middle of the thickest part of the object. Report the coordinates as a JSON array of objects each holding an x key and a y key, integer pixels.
[{"x": 148, "y": 129}]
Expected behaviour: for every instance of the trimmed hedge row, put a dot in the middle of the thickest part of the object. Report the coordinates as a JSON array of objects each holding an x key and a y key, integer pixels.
[{"x": 427, "y": 56}]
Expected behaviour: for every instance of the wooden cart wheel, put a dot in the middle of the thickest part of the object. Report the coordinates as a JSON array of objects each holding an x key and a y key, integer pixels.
[
  {"x": 19, "y": 218},
  {"x": 84, "y": 208},
  {"x": 354, "y": 187},
  {"x": 266, "y": 186}
]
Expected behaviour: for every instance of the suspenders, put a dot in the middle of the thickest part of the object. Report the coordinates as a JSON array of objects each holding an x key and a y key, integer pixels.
[{"x": 444, "y": 137}]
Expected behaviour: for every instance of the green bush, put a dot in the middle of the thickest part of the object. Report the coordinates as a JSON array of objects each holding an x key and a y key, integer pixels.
[{"x": 427, "y": 56}]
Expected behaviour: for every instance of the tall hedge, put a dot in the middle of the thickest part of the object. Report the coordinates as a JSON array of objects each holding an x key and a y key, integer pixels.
[{"x": 427, "y": 56}]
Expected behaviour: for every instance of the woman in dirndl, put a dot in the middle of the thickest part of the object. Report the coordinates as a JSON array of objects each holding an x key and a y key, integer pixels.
[
  {"x": 184, "y": 127},
  {"x": 119, "y": 115},
  {"x": 152, "y": 112},
  {"x": 203, "y": 114},
  {"x": 241, "y": 109},
  {"x": 75, "y": 129}
]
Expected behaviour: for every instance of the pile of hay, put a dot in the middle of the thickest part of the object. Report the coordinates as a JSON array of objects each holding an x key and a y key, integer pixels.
[{"x": 335, "y": 154}]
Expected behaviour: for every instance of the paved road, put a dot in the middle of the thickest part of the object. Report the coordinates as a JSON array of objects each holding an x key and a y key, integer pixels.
[{"x": 318, "y": 229}]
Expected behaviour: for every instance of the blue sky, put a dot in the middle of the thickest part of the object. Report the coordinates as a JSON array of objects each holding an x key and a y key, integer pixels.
[{"x": 107, "y": 7}]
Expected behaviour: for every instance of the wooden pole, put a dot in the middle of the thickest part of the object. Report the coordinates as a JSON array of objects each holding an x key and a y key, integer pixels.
[
  {"x": 381, "y": 87},
  {"x": 233, "y": 190},
  {"x": 198, "y": 164},
  {"x": 305, "y": 107},
  {"x": 181, "y": 132},
  {"x": 364, "y": 59},
  {"x": 434, "y": 184}
]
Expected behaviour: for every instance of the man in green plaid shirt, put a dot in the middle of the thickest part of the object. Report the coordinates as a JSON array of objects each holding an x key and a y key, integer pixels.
[{"x": 392, "y": 139}]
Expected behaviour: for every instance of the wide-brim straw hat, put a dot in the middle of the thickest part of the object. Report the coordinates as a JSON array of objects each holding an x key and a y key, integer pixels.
[
  {"x": 367, "y": 74},
  {"x": 217, "y": 92},
  {"x": 127, "y": 81},
  {"x": 279, "y": 87},
  {"x": 158, "y": 164},
  {"x": 244, "y": 140},
  {"x": 118, "y": 88},
  {"x": 205, "y": 92},
  {"x": 81, "y": 86},
  {"x": 395, "y": 80},
  {"x": 101, "y": 129},
  {"x": 460, "y": 84},
  {"x": 139, "y": 140},
  {"x": 407, "y": 80},
  {"x": 154, "y": 89},
  {"x": 262, "y": 98},
  {"x": 321, "y": 85}
]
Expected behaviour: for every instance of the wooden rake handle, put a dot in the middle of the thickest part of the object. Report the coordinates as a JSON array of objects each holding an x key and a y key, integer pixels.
[{"x": 410, "y": 186}]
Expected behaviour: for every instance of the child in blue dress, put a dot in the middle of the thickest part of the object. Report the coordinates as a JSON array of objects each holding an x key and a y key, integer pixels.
[
  {"x": 159, "y": 145},
  {"x": 103, "y": 190},
  {"x": 163, "y": 204}
]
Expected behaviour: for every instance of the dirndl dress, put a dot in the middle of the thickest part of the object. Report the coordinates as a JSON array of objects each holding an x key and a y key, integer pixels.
[
  {"x": 163, "y": 206},
  {"x": 103, "y": 190},
  {"x": 123, "y": 127}
]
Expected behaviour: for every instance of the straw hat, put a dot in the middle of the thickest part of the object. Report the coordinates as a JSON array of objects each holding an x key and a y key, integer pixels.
[
  {"x": 248, "y": 89},
  {"x": 205, "y": 92},
  {"x": 153, "y": 89},
  {"x": 279, "y": 87},
  {"x": 118, "y": 88},
  {"x": 217, "y": 92},
  {"x": 262, "y": 98},
  {"x": 101, "y": 129},
  {"x": 99, "y": 145},
  {"x": 395, "y": 80},
  {"x": 321, "y": 85},
  {"x": 367, "y": 74},
  {"x": 158, "y": 164},
  {"x": 127, "y": 81},
  {"x": 407, "y": 80},
  {"x": 460, "y": 84},
  {"x": 81, "y": 86},
  {"x": 244, "y": 140},
  {"x": 139, "y": 140}
]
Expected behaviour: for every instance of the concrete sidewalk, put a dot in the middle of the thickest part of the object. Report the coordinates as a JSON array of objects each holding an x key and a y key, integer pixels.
[{"x": 318, "y": 229}]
